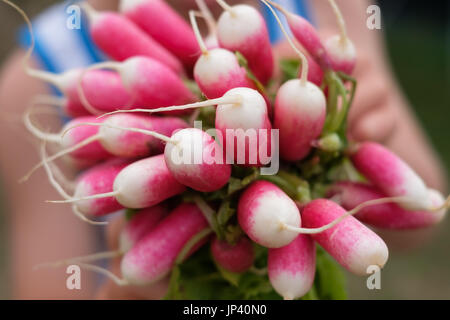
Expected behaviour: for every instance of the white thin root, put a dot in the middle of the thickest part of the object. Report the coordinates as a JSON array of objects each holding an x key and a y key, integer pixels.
[
  {"x": 345, "y": 215},
  {"x": 232, "y": 99},
  {"x": 208, "y": 16},
  {"x": 143, "y": 131},
  {"x": 92, "y": 197},
  {"x": 340, "y": 21},
  {"x": 305, "y": 64},
  {"x": 225, "y": 6},
  {"x": 198, "y": 36},
  {"x": 60, "y": 154},
  {"x": 83, "y": 259},
  {"x": 61, "y": 191}
]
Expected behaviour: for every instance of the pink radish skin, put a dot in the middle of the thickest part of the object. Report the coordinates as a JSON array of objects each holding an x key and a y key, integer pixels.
[
  {"x": 152, "y": 84},
  {"x": 391, "y": 175},
  {"x": 292, "y": 267},
  {"x": 352, "y": 244},
  {"x": 146, "y": 183},
  {"x": 164, "y": 25},
  {"x": 153, "y": 256},
  {"x": 103, "y": 90},
  {"x": 261, "y": 209},
  {"x": 94, "y": 151},
  {"x": 218, "y": 71},
  {"x": 315, "y": 73},
  {"x": 244, "y": 30},
  {"x": 128, "y": 144},
  {"x": 306, "y": 34},
  {"x": 121, "y": 39},
  {"x": 300, "y": 112},
  {"x": 99, "y": 179},
  {"x": 233, "y": 120},
  {"x": 387, "y": 215},
  {"x": 141, "y": 224},
  {"x": 342, "y": 55},
  {"x": 197, "y": 160},
  {"x": 235, "y": 258}
]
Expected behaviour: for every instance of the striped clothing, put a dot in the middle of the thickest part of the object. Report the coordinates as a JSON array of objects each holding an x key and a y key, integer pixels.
[{"x": 59, "y": 48}]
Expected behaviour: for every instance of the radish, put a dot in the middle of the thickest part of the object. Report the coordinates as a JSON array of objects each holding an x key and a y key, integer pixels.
[
  {"x": 315, "y": 72},
  {"x": 98, "y": 179},
  {"x": 392, "y": 176},
  {"x": 300, "y": 110},
  {"x": 263, "y": 208},
  {"x": 142, "y": 223},
  {"x": 235, "y": 258},
  {"x": 103, "y": 90},
  {"x": 243, "y": 122},
  {"x": 82, "y": 139},
  {"x": 217, "y": 70},
  {"x": 150, "y": 83},
  {"x": 211, "y": 40},
  {"x": 153, "y": 256},
  {"x": 340, "y": 48},
  {"x": 292, "y": 267},
  {"x": 164, "y": 25},
  {"x": 352, "y": 244},
  {"x": 141, "y": 184},
  {"x": 201, "y": 165},
  {"x": 389, "y": 215},
  {"x": 307, "y": 35},
  {"x": 121, "y": 39},
  {"x": 242, "y": 28}
]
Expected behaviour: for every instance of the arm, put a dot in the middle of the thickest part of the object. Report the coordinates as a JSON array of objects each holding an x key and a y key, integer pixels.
[{"x": 38, "y": 232}]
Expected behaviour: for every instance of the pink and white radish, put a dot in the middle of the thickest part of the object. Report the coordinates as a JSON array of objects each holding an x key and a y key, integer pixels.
[
  {"x": 243, "y": 121},
  {"x": 242, "y": 28},
  {"x": 392, "y": 176},
  {"x": 142, "y": 223},
  {"x": 341, "y": 50},
  {"x": 121, "y": 39},
  {"x": 217, "y": 70},
  {"x": 196, "y": 160},
  {"x": 153, "y": 256},
  {"x": 387, "y": 215},
  {"x": 104, "y": 90},
  {"x": 300, "y": 110},
  {"x": 98, "y": 179},
  {"x": 292, "y": 267},
  {"x": 263, "y": 209},
  {"x": 142, "y": 184},
  {"x": 237, "y": 258},
  {"x": 306, "y": 34},
  {"x": 89, "y": 138},
  {"x": 164, "y": 25},
  {"x": 352, "y": 244},
  {"x": 150, "y": 83}
]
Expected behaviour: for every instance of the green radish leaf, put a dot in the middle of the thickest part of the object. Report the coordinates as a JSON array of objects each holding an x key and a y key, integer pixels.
[
  {"x": 231, "y": 277},
  {"x": 289, "y": 69},
  {"x": 330, "y": 280},
  {"x": 244, "y": 63}
]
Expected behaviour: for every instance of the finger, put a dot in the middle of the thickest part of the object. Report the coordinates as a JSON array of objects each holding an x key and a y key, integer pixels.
[{"x": 377, "y": 125}]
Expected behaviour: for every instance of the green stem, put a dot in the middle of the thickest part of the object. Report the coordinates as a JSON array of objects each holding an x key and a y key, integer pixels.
[{"x": 191, "y": 243}]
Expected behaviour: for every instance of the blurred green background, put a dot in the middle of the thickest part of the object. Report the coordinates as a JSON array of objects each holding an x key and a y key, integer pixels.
[{"x": 418, "y": 39}]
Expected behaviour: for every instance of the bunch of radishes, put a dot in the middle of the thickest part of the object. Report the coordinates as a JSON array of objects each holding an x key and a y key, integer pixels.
[{"x": 189, "y": 187}]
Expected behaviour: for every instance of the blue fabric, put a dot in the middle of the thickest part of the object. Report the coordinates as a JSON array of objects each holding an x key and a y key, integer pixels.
[
  {"x": 297, "y": 6},
  {"x": 53, "y": 38}
]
